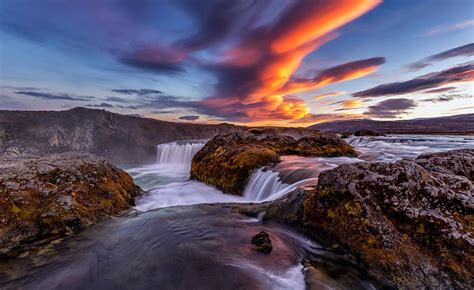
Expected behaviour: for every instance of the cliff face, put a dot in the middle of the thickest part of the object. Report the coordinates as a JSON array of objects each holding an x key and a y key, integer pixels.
[{"x": 118, "y": 138}]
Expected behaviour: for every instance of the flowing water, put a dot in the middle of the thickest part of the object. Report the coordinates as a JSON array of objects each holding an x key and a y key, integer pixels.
[{"x": 164, "y": 243}]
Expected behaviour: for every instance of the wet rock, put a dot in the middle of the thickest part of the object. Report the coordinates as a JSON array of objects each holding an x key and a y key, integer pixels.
[
  {"x": 42, "y": 198},
  {"x": 262, "y": 242},
  {"x": 403, "y": 222},
  {"x": 228, "y": 161},
  {"x": 365, "y": 132}
]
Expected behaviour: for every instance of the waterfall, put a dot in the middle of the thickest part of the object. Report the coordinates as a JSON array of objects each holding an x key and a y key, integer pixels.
[
  {"x": 266, "y": 185},
  {"x": 177, "y": 152}
]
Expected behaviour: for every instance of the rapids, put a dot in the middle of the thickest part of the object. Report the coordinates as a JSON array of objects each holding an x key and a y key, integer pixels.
[{"x": 175, "y": 236}]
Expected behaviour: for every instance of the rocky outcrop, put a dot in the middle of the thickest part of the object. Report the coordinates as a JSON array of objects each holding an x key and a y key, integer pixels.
[
  {"x": 408, "y": 223},
  {"x": 48, "y": 197},
  {"x": 227, "y": 161}
]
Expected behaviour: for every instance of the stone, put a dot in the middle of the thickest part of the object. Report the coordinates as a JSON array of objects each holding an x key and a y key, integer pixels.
[
  {"x": 228, "y": 161},
  {"x": 262, "y": 242},
  {"x": 43, "y": 198}
]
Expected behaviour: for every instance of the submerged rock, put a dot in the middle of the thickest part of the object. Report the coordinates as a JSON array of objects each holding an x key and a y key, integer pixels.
[
  {"x": 262, "y": 242},
  {"x": 227, "y": 161},
  {"x": 408, "y": 223},
  {"x": 47, "y": 197}
]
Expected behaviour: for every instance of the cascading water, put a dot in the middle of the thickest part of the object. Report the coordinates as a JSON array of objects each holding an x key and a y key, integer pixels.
[
  {"x": 177, "y": 153},
  {"x": 266, "y": 185}
]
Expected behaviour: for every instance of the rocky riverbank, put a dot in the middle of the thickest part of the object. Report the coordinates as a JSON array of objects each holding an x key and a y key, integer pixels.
[
  {"x": 227, "y": 161},
  {"x": 408, "y": 223},
  {"x": 42, "y": 198}
]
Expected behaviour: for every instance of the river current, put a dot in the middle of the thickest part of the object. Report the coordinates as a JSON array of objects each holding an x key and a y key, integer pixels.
[{"x": 176, "y": 237}]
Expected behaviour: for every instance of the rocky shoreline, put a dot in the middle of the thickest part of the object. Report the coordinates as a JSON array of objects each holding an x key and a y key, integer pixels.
[{"x": 409, "y": 223}]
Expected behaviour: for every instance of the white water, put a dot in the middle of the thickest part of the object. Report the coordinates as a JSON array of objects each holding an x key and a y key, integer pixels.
[
  {"x": 168, "y": 184},
  {"x": 167, "y": 181},
  {"x": 396, "y": 147},
  {"x": 266, "y": 185},
  {"x": 177, "y": 153}
]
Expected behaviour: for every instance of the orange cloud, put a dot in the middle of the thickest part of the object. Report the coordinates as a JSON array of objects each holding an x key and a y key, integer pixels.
[
  {"x": 344, "y": 72},
  {"x": 256, "y": 77},
  {"x": 327, "y": 95},
  {"x": 351, "y": 104}
]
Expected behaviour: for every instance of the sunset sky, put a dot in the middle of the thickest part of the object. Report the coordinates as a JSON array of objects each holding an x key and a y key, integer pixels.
[{"x": 277, "y": 62}]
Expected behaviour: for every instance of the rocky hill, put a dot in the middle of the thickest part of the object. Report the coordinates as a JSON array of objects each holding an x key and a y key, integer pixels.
[
  {"x": 459, "y": 124},
  {"x": 119, "y": 138}
]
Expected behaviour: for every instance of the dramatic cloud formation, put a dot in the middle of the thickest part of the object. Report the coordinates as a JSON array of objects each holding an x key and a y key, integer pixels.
[
  {"x": 463, "y": 73},
  {"x": 252, "y": 48},
  {"x": 189, "y": 118},
  {"x": 465, "y": 50},
  {"x": 391, "y": 108},
  {"x": 54, "y": 96},
  {"x": 447, "y": 98},
  {"x": 327, "y": 95}
]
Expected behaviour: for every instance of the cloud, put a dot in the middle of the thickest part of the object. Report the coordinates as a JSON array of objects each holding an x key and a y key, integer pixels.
[
  {"x": 320, "y": 118},
  {"x": 463, "y": 73},
  {"x": 340, "y": 73},
  {"x": 54, "y": 96},
  {"x": 101, "y": 105},
  {"x": 252, "y": 48},
  {"x": 447, "y": 98},
  {"x": 118, "y": 100},
  {"x": 349, "y": 104},
  {"x": 139, "y": 92},
  {"x": 440, "y": 90},
  {"x": 189, "y": 118},
  {"x": 327, "y": 95},
  {"x": 391, "y": 108},
  {"x": 465, "y": 50},
  {"x": 448, "y": 28}
]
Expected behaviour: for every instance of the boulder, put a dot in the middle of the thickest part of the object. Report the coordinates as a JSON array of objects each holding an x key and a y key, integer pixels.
[
  {"x": 42, "y": 198},
  {"x": 262, "y": 242},
  {"x": 227, "y": 161},
  {"x": 407, "y": 223}
]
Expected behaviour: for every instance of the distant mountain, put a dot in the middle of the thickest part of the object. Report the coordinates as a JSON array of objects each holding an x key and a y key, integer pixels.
[{"x": 458, "y": 124}]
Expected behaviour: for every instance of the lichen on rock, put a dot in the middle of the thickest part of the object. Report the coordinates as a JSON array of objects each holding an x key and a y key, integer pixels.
[
  {"x": 48, "y": 197},
  {"x": 407, "y": 223}
]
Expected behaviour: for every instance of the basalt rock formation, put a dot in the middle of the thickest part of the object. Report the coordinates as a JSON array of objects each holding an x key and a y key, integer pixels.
[
  {"x": 42, "y": 198},
  {"x": 408, "y": 223},
  {"x": 227, "y": 161}
]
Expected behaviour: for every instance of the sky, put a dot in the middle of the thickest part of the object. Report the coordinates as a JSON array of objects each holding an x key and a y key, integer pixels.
[{"x": 261, "y": 62}]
